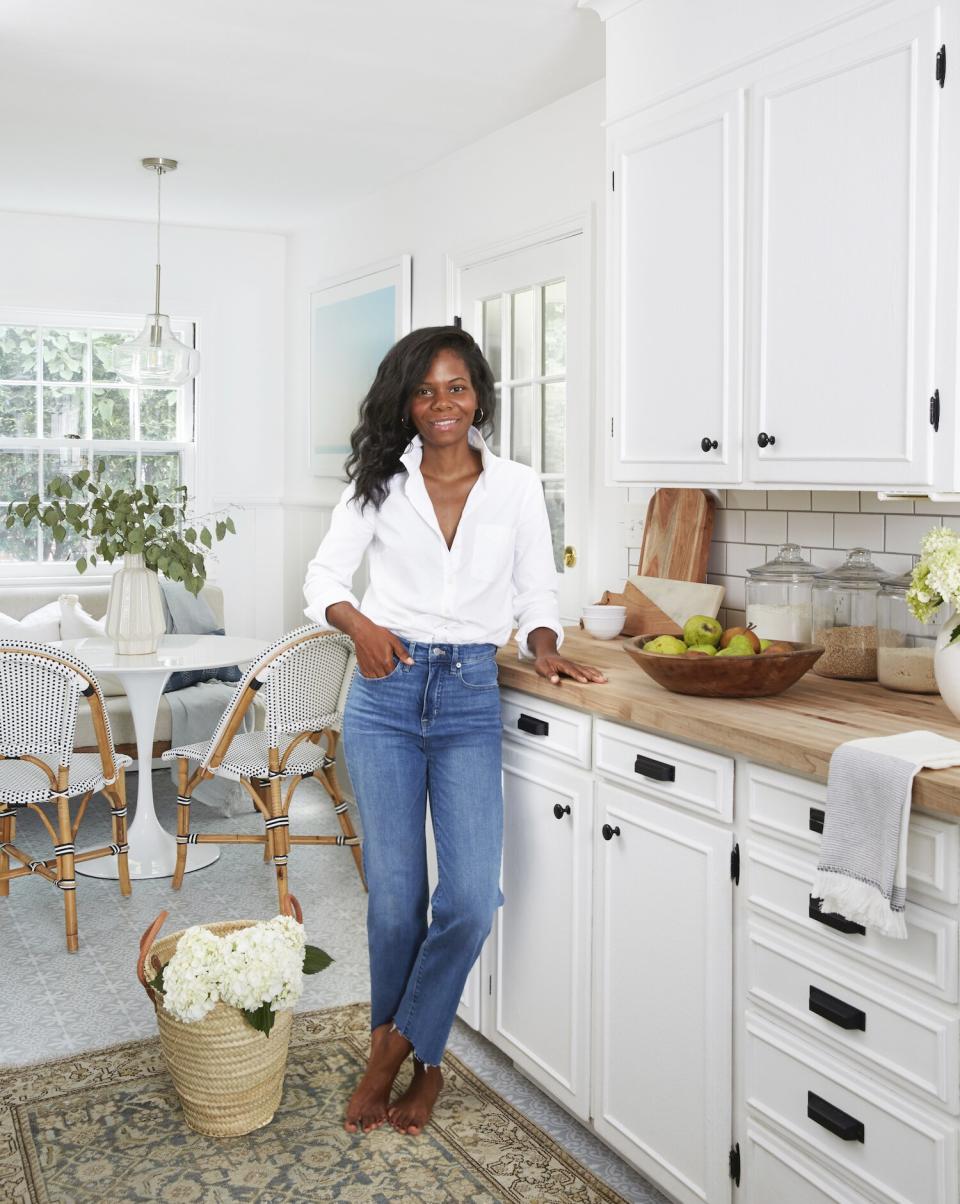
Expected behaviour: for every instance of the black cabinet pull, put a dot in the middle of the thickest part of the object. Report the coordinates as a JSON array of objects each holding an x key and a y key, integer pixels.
[
  {"x": 708, "y": 445},
  {"x": 832, "y": 920},
  {"x": 536, "y": 727},
  {"x": 608, "y": 832},
  {"x": 659, "y": 771},
  {"x": 843, "y": 1015},
  {"x": 559, "y": 811},
  {"x": 834, "y": 1119},
  {"x": 816, "y": 819},
  {"x": 764, "y": 440}
]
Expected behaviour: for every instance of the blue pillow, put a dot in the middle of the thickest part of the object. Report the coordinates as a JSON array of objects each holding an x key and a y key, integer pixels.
[
  {"x": 192, "y": 677},
  {"x": 190, "y": 615}
]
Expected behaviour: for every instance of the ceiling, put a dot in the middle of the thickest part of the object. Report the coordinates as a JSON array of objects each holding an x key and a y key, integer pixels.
[{"x": 278, "y": 110}]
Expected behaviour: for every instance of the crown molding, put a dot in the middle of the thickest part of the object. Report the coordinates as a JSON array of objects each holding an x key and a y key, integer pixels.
[{"x": 607, "y": 8}]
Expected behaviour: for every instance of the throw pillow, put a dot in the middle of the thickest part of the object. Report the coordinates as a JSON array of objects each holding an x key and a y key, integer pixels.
[
  {"x": 77, "y": 624},
  {"x": 41, "y": 626},
  {"x": 191, "y": 615}
]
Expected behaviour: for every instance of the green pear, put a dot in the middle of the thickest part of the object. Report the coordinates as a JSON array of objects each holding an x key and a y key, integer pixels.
[
  {"x": 765, "y": 644},
  {"x": 740, "y": 645},
  {"x": 700, "y": 630},
  {"x": 709, "y": 649},
  {"x": 665, "y": 645}
]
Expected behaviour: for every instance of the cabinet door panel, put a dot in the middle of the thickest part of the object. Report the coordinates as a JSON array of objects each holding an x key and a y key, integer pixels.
[
  {"x": 676, "y": 295},
  {"x": 662, "y": 962},
  {"x": 844, "y": 191},
  {"x": 541, "y": 1007}
]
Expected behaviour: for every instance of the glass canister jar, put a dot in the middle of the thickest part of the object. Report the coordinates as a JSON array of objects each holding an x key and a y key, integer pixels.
[
  {"x": 905, "y": 646},
  {"x": 845, "y": 617},
  {"x": 779, "y": 596}
]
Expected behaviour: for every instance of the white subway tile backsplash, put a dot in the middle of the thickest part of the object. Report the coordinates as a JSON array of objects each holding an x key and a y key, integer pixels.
[
  {"x": 947, "y": 509},
  {"x": 788, "y": 499},
  {"x": 728, "y": 526},
  {"x": 746, "y": 499},
  {"x": 743, "y": 556},
  {"x": 858, "y": 531},
  {"x": 905, "y": 532},
  {"x": 835, "y": 500},
  {"x": 871, "y": 504},
  {"x": 766, "y": 526},
  {"x": 825, "y": 558},
  {"x": 811, "y": 530},
  {"x": 895, "y": 563},
  {"x": 717, "y": 563}
]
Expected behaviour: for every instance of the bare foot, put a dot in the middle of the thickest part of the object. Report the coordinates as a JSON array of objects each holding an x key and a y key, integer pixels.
[
  {"x": 410, "y": 1111},
  {"x": 367, "y": 1109}
]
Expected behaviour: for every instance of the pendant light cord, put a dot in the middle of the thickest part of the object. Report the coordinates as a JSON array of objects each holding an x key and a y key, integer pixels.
[{"x": 156, "y": 302}]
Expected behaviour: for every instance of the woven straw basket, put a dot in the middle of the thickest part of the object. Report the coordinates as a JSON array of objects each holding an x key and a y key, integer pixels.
[{"x": 229, "y": 1077}]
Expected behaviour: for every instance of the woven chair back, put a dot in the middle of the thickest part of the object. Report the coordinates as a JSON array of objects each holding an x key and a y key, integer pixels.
[
  {"x": 299, "y": 678},
  {"x": 39, "y": 693}
]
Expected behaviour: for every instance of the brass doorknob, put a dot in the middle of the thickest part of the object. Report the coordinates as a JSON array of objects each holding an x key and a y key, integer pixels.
[{"x": 569, "y": 556}]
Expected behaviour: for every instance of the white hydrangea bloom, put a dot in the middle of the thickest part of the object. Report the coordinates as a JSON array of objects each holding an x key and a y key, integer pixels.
[
  {"x": 936, "y": 578},
  {"x": 191, "y": 979},
  {"x": 262, "y": 964}
]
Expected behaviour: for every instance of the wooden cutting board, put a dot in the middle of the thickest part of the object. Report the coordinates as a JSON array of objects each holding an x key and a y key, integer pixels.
[{"x": 677, "y": 535}]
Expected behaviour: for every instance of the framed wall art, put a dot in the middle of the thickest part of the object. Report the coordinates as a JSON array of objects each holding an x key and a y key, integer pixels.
[{"x": 354, "y": 320}]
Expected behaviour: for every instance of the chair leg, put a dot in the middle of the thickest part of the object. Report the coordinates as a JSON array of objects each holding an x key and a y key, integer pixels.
[
  {"x": 7, "y": 834},
  {"x": 279, "y": 833},
  {"x": 66, "y": 877},
  {"x": 183, "y": 821},
  {"x": 118, "y": 820},
  {"x": 328, "y": 779}
]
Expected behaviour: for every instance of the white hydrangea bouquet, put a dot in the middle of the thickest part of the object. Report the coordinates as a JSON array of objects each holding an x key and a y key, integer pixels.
[
  {"x": 258, "y": 969},
  {"x": 936, "y": 576}
]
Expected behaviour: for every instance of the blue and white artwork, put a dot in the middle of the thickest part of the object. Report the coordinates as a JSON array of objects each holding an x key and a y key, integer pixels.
[{"x": 353, "y": 323}]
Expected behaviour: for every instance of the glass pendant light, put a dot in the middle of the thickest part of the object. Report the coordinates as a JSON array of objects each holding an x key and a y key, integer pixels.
[{"x": 156, "y": 356}]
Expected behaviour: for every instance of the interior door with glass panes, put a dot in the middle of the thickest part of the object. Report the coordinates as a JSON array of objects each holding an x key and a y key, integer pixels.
[{"x": 528, "y": 310}]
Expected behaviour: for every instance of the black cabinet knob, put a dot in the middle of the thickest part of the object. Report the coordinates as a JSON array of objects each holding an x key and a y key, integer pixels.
[
  {"x": 707, "y": 444},
  {"x": 560, "y": 811},
  {"x": 609, "y": 833},
  {"x": 763, "y": 439}
]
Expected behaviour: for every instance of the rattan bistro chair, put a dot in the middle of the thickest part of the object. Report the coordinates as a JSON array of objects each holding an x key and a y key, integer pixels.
[
  {"x": 301, "y": 680},
  {"x": 40, "y": 691}
]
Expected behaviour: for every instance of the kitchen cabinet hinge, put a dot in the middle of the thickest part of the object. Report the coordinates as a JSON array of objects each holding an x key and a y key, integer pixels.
[
  {"x": 613, "y": 181},
  {"x": 935, "y": 410},
  {"x": 611, "y": 428},
  {"x": 942, "y": 66},
  {"x": 490, "y": 984},
  {"x": 735, "y": 864},
  {"x": 735, "y": 1163}
]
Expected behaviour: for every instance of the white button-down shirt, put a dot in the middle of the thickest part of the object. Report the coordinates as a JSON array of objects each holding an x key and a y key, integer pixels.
[{"x": 499, "y": 572}]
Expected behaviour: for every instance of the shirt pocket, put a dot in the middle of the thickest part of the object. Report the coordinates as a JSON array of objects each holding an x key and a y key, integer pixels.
[{"x": 492, "y": 558}]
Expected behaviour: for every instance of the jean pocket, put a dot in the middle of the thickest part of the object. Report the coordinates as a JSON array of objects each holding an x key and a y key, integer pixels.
[
  {"x": 479, "y": 674},
  {"x": 393, "y": 673}
]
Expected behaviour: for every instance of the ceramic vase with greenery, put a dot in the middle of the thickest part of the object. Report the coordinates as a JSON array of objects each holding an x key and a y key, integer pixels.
[{"x": 152, "y": 533}]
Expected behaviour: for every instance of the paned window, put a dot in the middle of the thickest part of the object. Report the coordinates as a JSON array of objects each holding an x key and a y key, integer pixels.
[{"x": 63, "y": 408}]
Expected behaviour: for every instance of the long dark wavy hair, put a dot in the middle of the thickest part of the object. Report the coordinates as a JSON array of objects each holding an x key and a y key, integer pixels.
[{"x": 384, "y": 430}]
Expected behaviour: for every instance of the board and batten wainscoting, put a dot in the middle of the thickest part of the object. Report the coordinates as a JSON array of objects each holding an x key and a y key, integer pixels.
[{"x": 751, "y": 524}]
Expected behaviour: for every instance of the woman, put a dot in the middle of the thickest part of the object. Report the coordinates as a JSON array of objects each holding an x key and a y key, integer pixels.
[{"x": 459, "y": 547}]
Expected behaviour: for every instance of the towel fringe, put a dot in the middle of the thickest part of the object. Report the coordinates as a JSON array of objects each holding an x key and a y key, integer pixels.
[{"x": 859, "y": 902}]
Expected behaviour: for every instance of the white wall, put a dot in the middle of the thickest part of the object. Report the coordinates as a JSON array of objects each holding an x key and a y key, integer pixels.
[
  {"x": 525, "y": 176},
  {"x": 232, "y": 284}
]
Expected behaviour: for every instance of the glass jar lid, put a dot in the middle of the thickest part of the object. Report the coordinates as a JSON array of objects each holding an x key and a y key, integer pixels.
[
  {"x": 857, "y": 572},
  {"x": 897, "y": 585},
  {"x": 787, "y": 565}
]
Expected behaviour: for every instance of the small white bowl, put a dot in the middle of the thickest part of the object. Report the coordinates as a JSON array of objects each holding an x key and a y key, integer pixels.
[
  {"x": 601, "y": 610},
  {"x": 606, "y": 627}
]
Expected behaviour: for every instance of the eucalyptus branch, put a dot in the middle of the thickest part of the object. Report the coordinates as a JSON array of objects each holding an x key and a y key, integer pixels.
[{"x": 116, "y": 522}]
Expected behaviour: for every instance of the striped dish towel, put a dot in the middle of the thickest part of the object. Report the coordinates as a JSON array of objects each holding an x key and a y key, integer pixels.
[{"x": 862, "y": 871}]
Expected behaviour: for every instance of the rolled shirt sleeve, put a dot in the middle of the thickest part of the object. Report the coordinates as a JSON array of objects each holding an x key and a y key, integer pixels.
[
  {"x": 534, "y": 573},
  {"x": 330, "y": 573}
]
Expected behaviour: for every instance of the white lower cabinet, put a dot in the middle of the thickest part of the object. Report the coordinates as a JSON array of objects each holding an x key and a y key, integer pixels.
[
  {"x": 537, "y": 972},
  {"x": 662, "y": 968}
]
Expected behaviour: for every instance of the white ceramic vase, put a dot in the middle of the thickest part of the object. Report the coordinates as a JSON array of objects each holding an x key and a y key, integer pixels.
[
  {"x": 135, "y": 618},
  {"x": 946, "y": 664}
]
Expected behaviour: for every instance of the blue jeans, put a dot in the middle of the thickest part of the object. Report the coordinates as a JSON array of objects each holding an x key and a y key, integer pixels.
[{"x": 432, "y": 727}]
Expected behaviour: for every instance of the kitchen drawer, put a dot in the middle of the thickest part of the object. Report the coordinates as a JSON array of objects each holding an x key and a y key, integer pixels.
[
  {"x": 776, "y": 1172},
  {"x": 791, "y": 808},
  {"x": 905, "y": 1042},
  {"x": 677, "y": 773},
  {"x": 906, "y": 1154},
  {"x": 558, "y": 730},
  {"x": 778, "y": 886}
]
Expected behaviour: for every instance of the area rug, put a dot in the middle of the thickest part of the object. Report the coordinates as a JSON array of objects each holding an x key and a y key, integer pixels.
[{"x": 107, "y": 1126}]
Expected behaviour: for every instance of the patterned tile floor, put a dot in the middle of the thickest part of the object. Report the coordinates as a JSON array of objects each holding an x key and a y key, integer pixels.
[{"x": 55, "y": 1004}]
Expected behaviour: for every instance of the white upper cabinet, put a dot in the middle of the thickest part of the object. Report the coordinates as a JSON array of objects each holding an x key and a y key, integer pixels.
[
  {"x": 773, "y": 264},
  {"x": 842, "y": 202},
  {"x": 675, "y": 303}
]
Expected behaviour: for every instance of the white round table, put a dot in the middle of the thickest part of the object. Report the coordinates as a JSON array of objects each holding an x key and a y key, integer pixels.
[{"x": 152, "y": 849}]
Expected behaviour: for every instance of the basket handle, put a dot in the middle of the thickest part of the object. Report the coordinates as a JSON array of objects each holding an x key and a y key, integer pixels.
[
  {"x": 291, "y": 907},
  {"x": 146, "y": 941}
]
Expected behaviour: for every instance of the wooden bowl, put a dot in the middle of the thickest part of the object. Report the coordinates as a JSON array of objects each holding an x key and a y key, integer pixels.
[{"x": 727, "y": 676}]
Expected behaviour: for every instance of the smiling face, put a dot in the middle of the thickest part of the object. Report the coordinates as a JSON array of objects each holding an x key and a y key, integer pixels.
[{"x": 443, "y": 405}]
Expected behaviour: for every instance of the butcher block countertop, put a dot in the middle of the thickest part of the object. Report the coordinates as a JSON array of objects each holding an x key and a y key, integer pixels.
[{"x": 796, "y": 731}]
